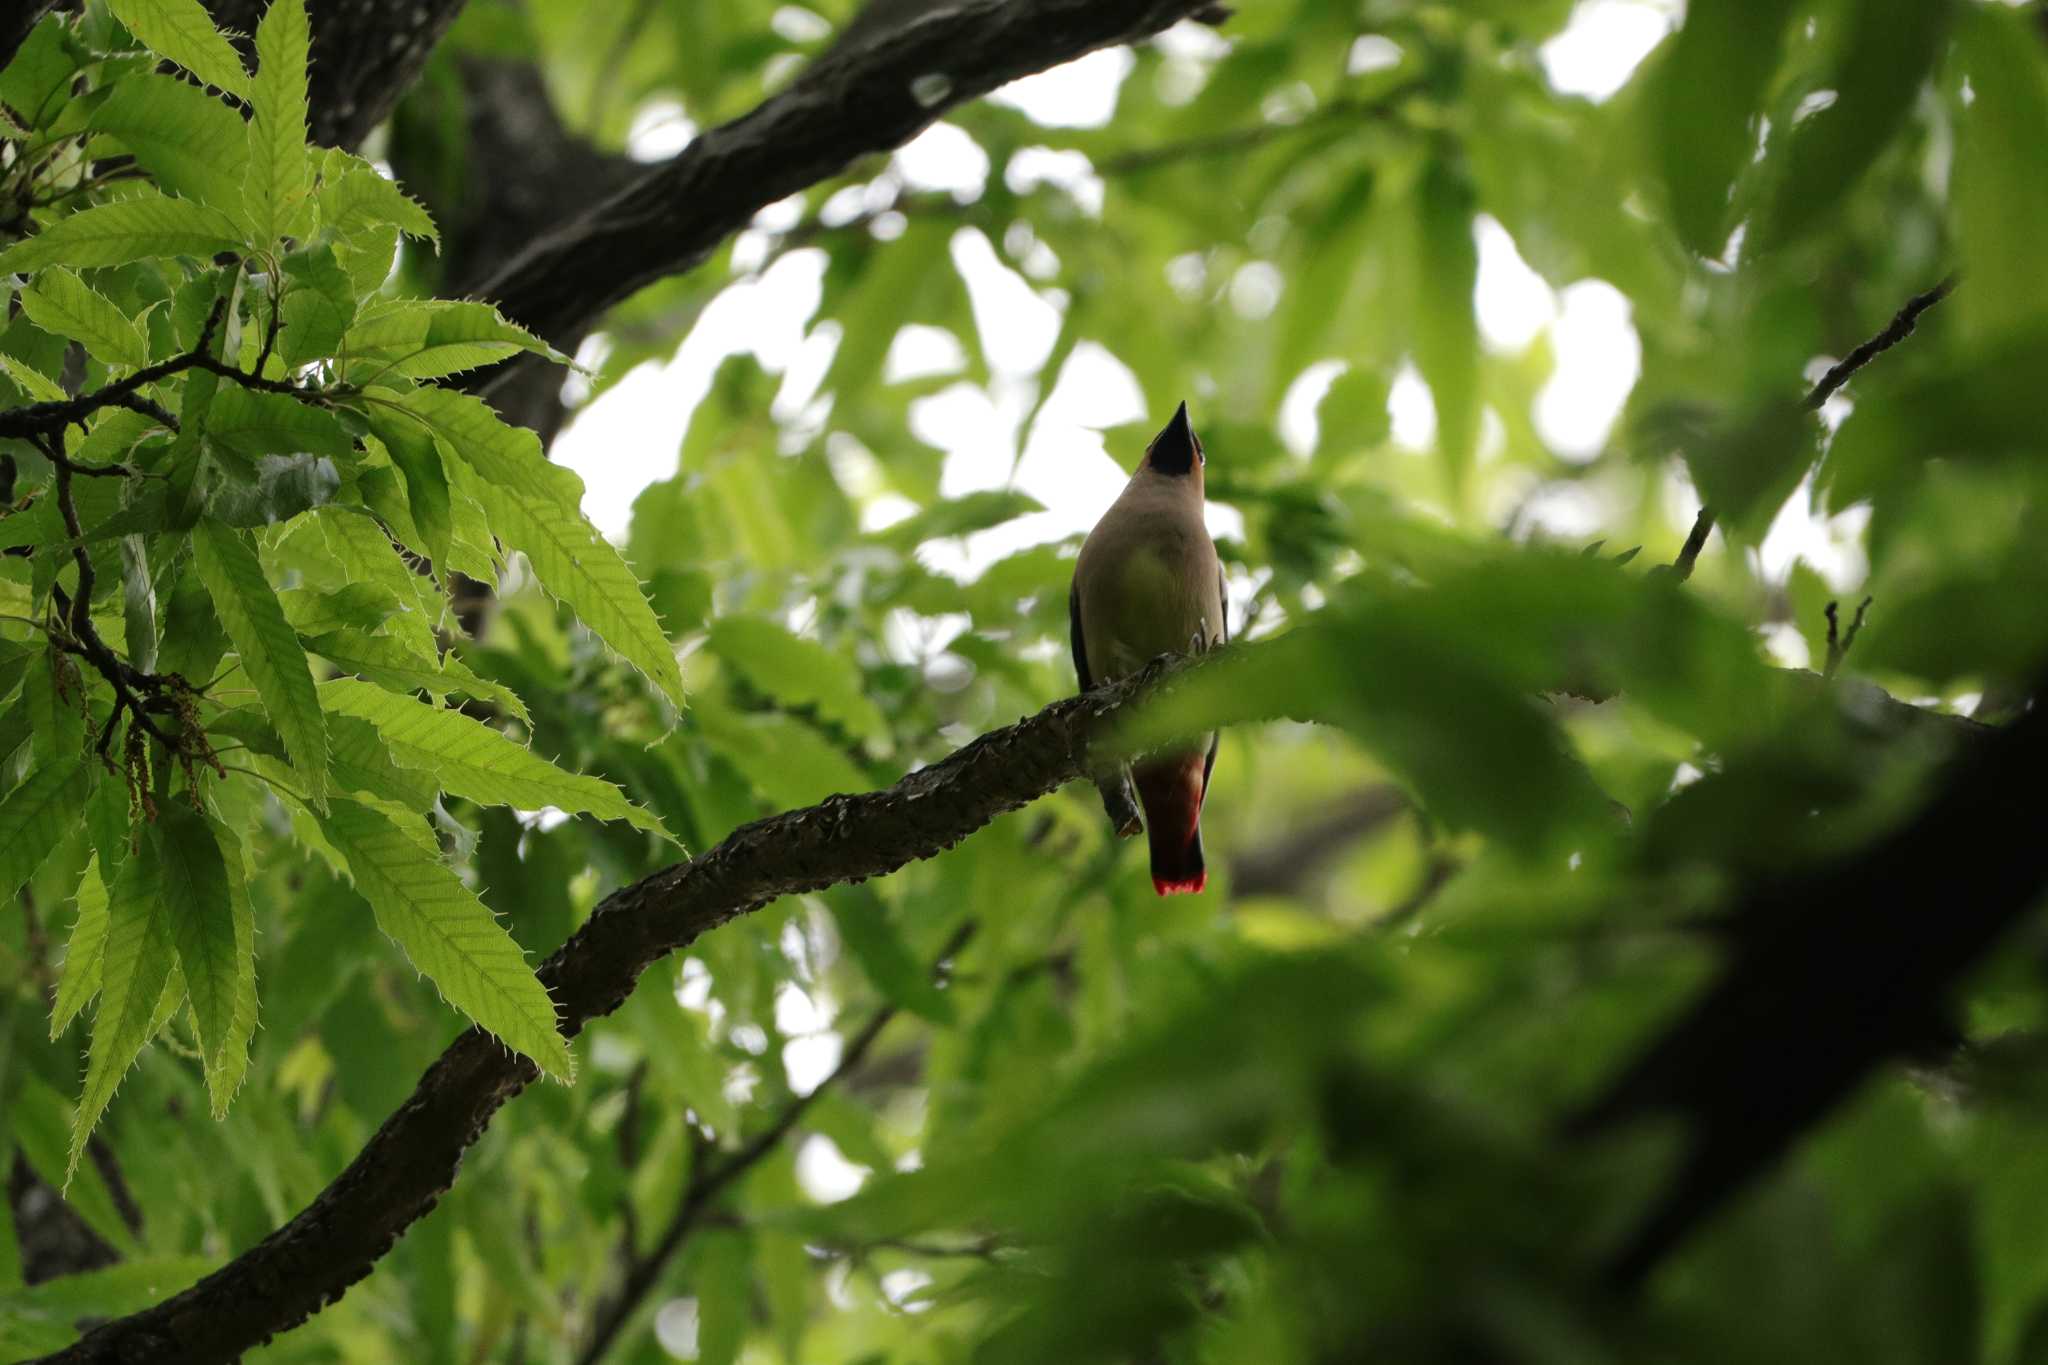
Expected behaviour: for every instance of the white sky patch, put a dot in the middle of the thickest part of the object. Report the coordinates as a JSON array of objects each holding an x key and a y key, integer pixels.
[
  {"x": 631, "y": 435},
  {"x": 1018, "y": 327},
  {"x": 1079, "y": 94},
  {"x": 1300, "y": 429},
  {"x": 824, "y": 1174},
  {"x": 1786, "y": 645},
  {"x": 1832, "y": 546},
  {"x": 1603, "y": 44},
  {"x": 676, "y": 1327},
  {"x": 808, "y": 1060},
  {"x": 901, "y": 1288},
  {"x": 1071, "y": 171},
  {"x": 921, "y": 351},
  {"x": 1599, "y": 357},
  {"x": 1412, "y": 410},
  {"x": 1512, "y": 301},
  {"x": 944, "y": 157},
  {"x": 659, "y": 130},
  {"x": 1371, "y": 53}
]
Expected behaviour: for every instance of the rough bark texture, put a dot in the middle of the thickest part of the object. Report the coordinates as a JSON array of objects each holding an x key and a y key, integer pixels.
[
  {"x": 414, "y": 1158},
  {"x": 366, "y": 53},
  {"x": 404, "y": 1169},
  {"x": 858, "y": 99}
]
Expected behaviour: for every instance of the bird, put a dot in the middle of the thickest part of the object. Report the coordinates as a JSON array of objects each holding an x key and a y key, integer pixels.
[{"x": 1147, "y": 583}]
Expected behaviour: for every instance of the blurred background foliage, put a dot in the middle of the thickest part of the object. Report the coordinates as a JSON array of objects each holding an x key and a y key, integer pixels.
[{"x": 1311, "y": 1115}]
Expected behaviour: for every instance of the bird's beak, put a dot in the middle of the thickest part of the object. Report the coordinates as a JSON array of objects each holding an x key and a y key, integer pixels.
[{"x": 1173, "y": 450}]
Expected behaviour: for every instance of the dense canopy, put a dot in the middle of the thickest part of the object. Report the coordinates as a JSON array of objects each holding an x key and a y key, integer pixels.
[{"x": 529, "y": 529}]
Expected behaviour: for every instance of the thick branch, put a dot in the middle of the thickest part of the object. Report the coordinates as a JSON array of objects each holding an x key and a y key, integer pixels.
[
  {"x": 855, "y": 101},
  {"x": 366, "y": 53},
  {"x": 1836, "y": 971},
  {"x": 413, "y": 1158}
]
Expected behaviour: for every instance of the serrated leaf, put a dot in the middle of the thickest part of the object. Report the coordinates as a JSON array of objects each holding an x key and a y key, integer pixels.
[
  {"x": 362, "y": 763},
  {"x": 283, "y": 487},
  {"x": 279, "y": 171},
  {"x": 584, "y": 571},
  {"x": 226, "y": 1066},
  {"x": 416, "y": 456},
  {"x": 359, "y": 606},
  {"x": 189, "y": 141},
  {"x": 35, "y": 816},
  {"x": 447, "y": 933},
  {"x": 319, "y": 305},
  {"x": 360, "y": 201},
  {"x": 253, "y": 424},
  {"x": 797, "y": 672},
  {"x": 431, "y": 338},
  {"x": 192, "y": 882},
  {"x": 463, "y": 679},
  {"x": 269, "y": 648},
  {"x": 52, "y": 693},
  {"x": 386, "y": 661},
  {"x": 473, "y": 761},
  {"x": 181, "y": 30},
  {"x": 128, "y": 230},
  {"x": 33, "y": 382},
  {"x": 80, "y": 979},
  {"x": 64, "y": 305},
  {"x": 505, "y": 456},
  {"x": 136, "y": 965}
]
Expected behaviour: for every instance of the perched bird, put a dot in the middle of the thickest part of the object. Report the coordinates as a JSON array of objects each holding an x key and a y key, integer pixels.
[{"x": 1148, "y": 583}]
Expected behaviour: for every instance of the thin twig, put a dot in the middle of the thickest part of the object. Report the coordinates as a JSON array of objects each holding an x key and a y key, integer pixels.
[
  {"x": 1838, "y": 642},
  {"x": 1897, "y": 330},
  {"x": 708, "y": 1183}
]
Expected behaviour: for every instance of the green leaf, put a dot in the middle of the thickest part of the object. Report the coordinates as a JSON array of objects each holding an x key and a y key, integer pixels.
[
  {"x": 37, "y": 385},
  {"x": 2000, "y": 195},
  {"x": 53, "y": 693},
  {"x": 280, "y": 175},
  {"x": 252, "y": 423},
  {"x": 189, "y": 141},
  {"x": 83, "y": 955},
  {"x": 359, "y": 606},
  {"x": 798, "y": 672},
  {"x": 35, "y": 816},
  {"x": 960, "y": 516},
  {"x": 362, "y": 763},
  {"x": 473, "y": 761},
  {"x": 269, "y": 648},
  {"x": 383, "y": 660},
  {"x": 358, "y": 201},
  {"x": 60, "y": 303},
  {"x": 42, "y": 1119},
  {"x": 722, "y": 1273},
  {"x": 415, "y": 454},
  {"x": 1887, "y": 53},
  {"x": 585, "y": 572},
  {"x": 427, "y": 338},
  {"x": 1710, "y": 86},
  {"x": 1446, "y": 329},
  {"x": 319, "y": 304},
  {"x": 129, "y": 230},
  {"x": 135, "y": 967},
  {"x": 447, "y": 933},
  {"x": 864, "y": 927},
  {"x": 181, "y": 30},
  {"x": 226, "y": 1066},
  {"x": 193, "y": 886},
  {"x": 283, "y": 487}
]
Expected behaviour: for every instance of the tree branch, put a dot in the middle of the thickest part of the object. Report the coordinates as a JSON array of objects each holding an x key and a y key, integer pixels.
[
  {"x": 1835, "y": 971},
  {"x": 856, "y": 100},
  {"x": 366, "y": 53},
  {"x": 707, "y": 1185},
  {"x": 1897, "y": 330}
]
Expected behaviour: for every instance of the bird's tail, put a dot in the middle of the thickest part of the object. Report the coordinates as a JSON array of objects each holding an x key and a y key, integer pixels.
[{"x": 1171, "y": 790}]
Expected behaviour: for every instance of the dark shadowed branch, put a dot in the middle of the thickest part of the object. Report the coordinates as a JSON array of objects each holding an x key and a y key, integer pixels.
[{"x": 855, "y": 101}]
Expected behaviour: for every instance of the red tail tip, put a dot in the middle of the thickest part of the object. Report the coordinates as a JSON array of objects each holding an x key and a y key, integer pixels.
[{"x": 1192, "y": 887}]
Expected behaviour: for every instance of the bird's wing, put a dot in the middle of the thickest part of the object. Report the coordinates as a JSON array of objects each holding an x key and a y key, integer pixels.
[{"x": 1074, "y": 624}]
